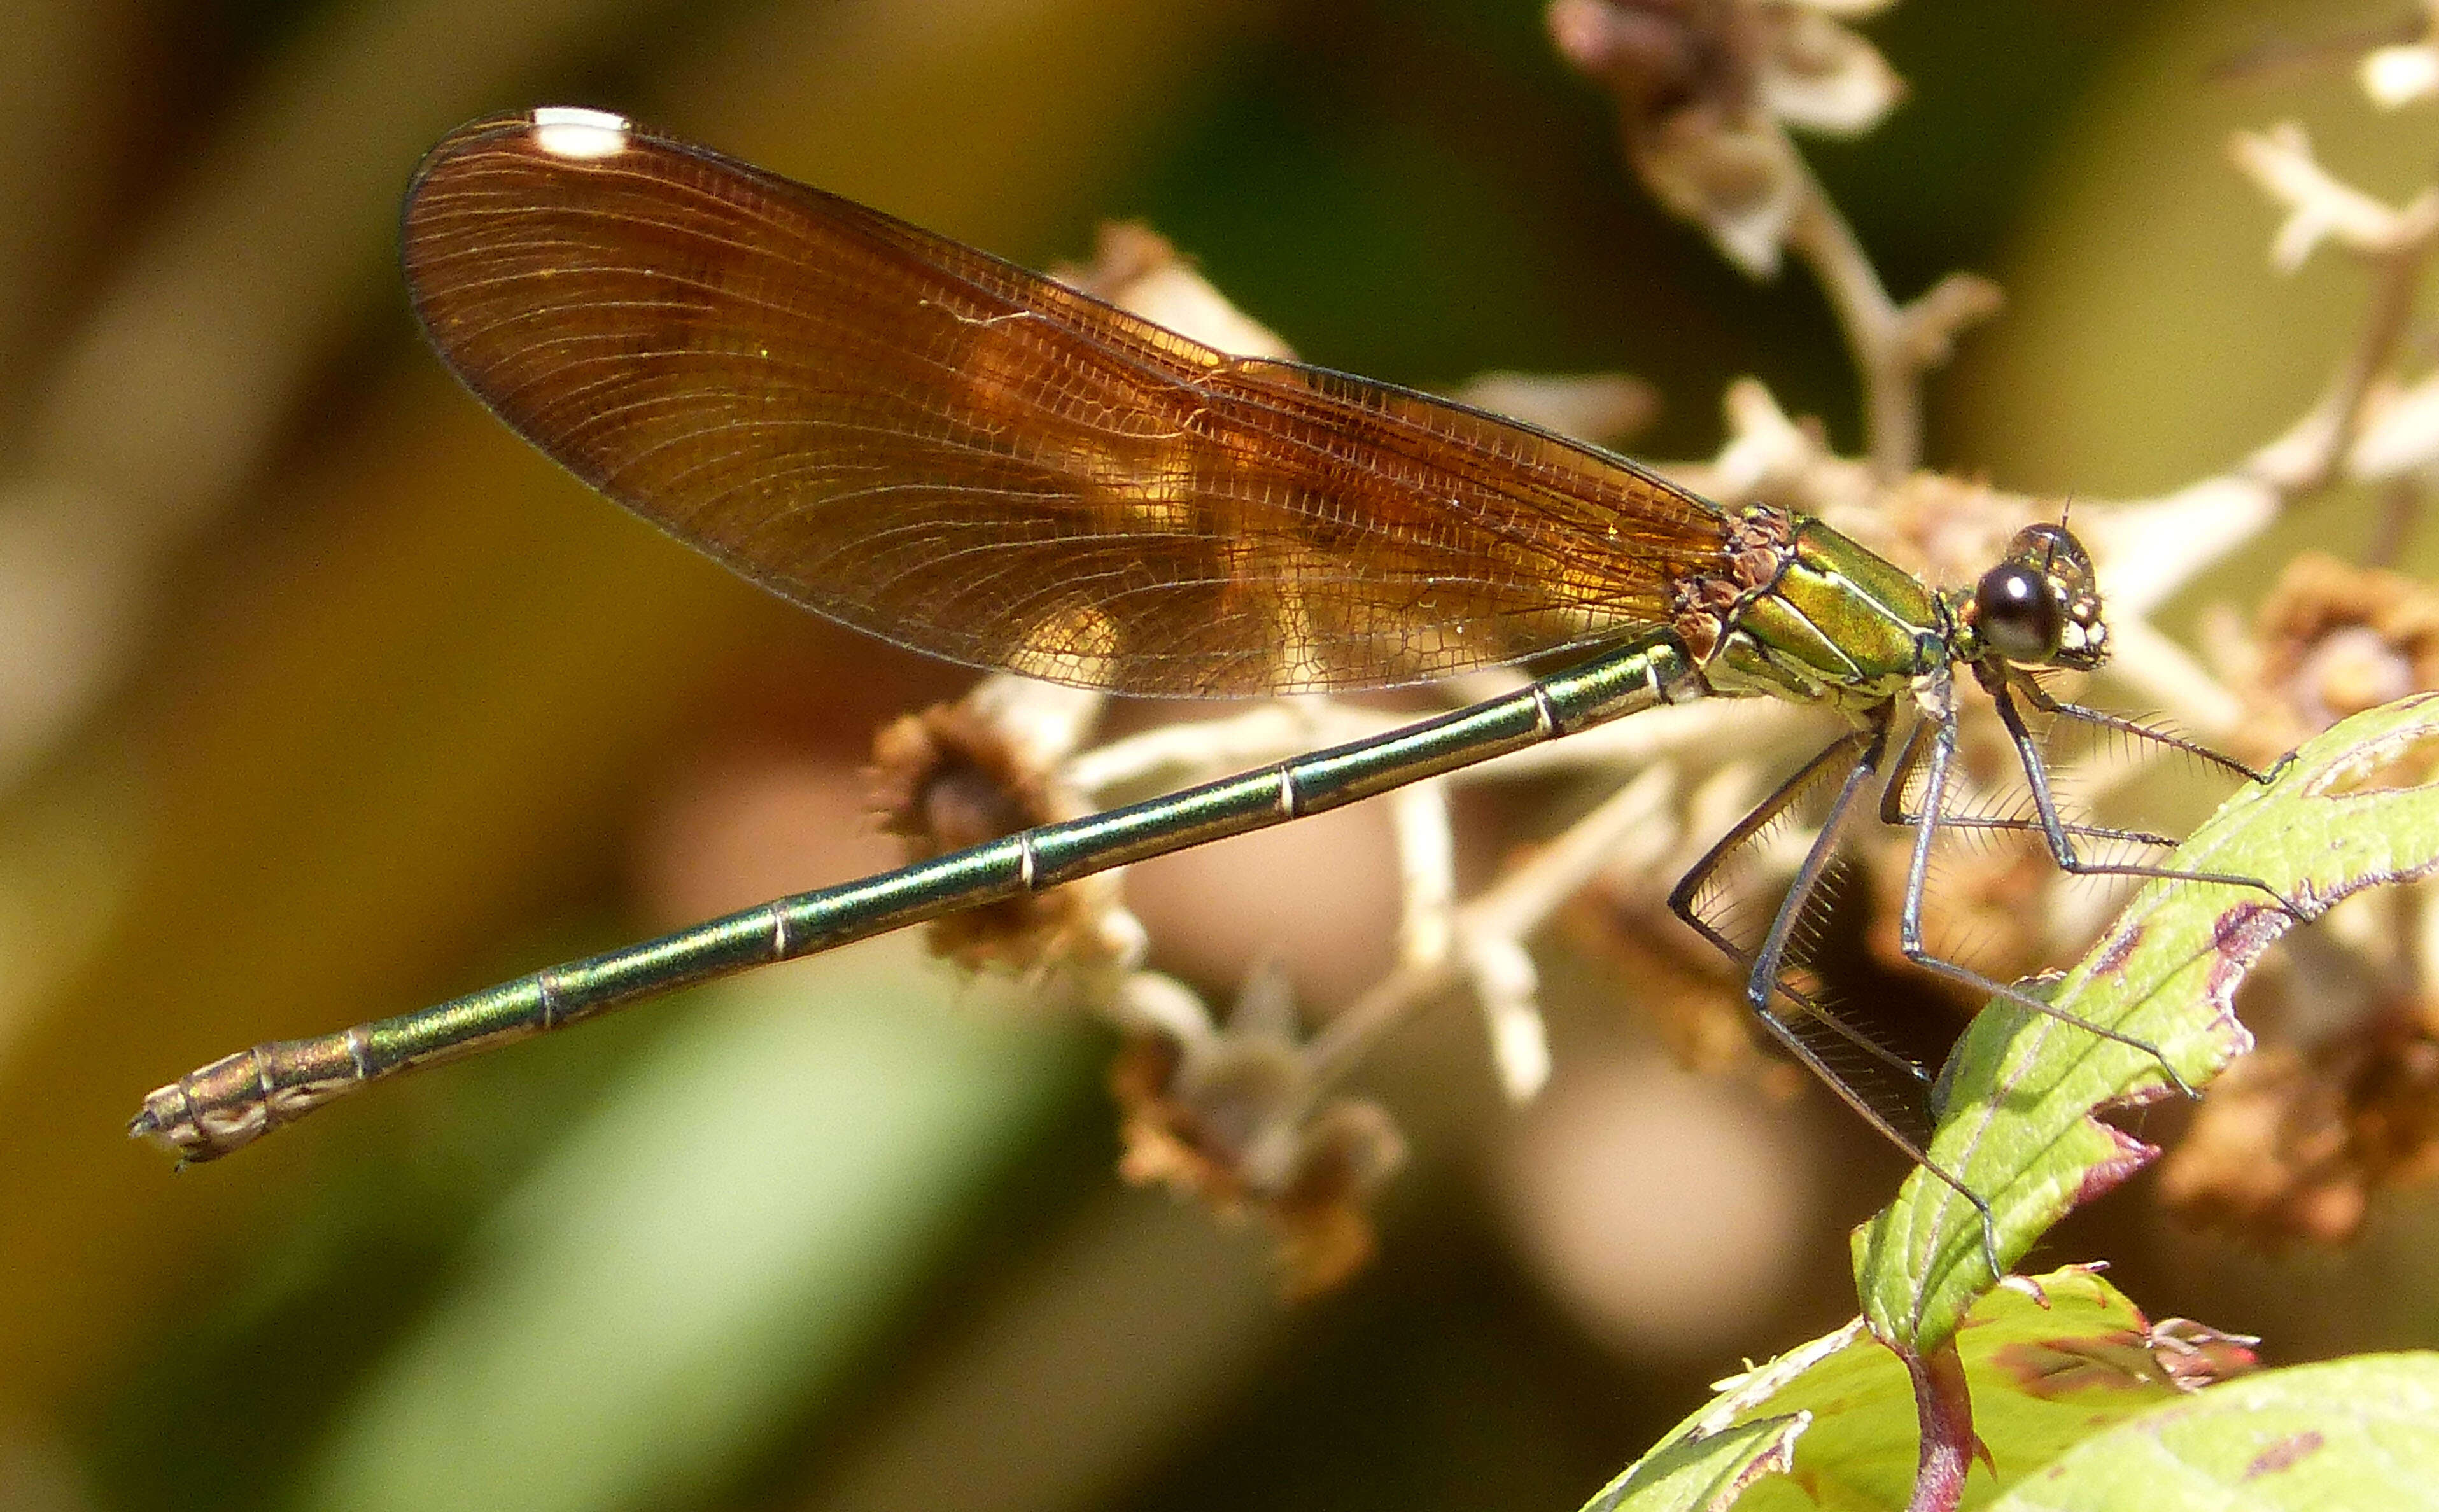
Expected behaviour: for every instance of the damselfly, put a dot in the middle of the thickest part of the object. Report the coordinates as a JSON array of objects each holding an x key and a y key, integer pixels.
[{"x": 946, "y": 451}]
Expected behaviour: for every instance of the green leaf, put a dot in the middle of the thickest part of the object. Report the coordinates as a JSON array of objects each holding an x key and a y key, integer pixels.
[
  {"x": 1704, "y": 1474},
  {"x": 1832, "y": 1424},
  {"x": 2354, "y": 808},
  {"x": 2359, "y": 1432}
]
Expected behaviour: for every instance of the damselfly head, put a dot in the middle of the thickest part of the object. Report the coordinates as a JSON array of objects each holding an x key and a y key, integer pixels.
[{"x": 2040, "y": 607}]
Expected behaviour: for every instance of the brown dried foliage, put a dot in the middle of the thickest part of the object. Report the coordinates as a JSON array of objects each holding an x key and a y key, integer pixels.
[
  {"x": 2334, "y": 639},
  {"x": 948, "y": 779},
  {"x": 1233, "y": 1123},
  {"x": 2294, "y": 1142}
]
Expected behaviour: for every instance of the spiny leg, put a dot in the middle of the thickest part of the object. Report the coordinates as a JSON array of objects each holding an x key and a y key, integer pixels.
[
  {"x": 1865, "y": 749},
  {"x": 1683, "y": 898},
  {"x": 2041, "y": 699},
  {"x": 2054, "y": 828},
  {"x": 1927, "y": 822},
  {"x": 1895, "y": 813},
  {"x": 1768, "y": 960}
]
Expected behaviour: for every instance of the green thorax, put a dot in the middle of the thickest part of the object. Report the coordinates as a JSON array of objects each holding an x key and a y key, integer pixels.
[{"x": 1819, "y": 619}]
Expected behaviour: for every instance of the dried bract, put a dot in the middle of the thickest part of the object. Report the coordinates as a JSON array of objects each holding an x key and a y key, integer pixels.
[
  {"x": 2293, "y": 1143},
  {"x": 2195, "y": 1355},
  {"x": 2404, "y": 73},
  {"x": 981, "y": 769},
  {"x": 1233, "y": 1117},
  {"x": 1702, "y": 87},
  {"x": 1817, "y": 76},
  {"x": 2333, "y": 639},
  {"x": 2400, "y": 76},
  {"x": 1138, "y": 270}
]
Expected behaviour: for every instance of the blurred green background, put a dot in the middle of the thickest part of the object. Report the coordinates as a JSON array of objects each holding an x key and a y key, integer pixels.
[{"x": 320, "y": 699}]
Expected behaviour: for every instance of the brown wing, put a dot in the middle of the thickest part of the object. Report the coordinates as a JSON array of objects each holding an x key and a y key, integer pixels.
[{"x": 944, "y": 450}]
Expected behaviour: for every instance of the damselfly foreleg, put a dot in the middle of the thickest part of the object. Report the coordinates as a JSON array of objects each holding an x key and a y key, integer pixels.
[{"x": 2054, "y": 828}]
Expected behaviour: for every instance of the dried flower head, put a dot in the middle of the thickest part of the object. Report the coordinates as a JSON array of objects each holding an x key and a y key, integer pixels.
[
  {"x": 1702, "y": 87},
  {"x": 1988, "y": 908},
  {"x": 1233, "y": 1116},
  {"x": 2333, "y": 639},
  {"x": 1687, "y": 991},
  {"x": 983, "y": 768},
  {"x": 1944, "y": 530},
  {"x": 2293, "y": 1143}
]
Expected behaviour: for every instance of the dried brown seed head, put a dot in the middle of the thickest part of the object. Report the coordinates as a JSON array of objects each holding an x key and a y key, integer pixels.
[
  {"x": 2334, "y": 639},
  {"x": 954, "y": 777},
  {"x": 1685, "y": 992},
  {"x": 1234, "y": 1119},
  {"x": 2294, "y": 1143},
  {"x": 1988, "y": 911},
  {"x": 1702, "y": 87}
]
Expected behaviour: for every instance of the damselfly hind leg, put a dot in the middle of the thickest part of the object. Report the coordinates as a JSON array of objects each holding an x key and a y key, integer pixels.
[
  {"x": 1899, "y": 1108},
  {"x": 1689, "y": 902}
]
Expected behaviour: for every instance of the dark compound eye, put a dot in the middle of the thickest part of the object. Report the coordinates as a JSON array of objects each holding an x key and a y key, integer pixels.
[
  {"x": 2052, "y": 546},
  {"x": 2016, "y": 612}
]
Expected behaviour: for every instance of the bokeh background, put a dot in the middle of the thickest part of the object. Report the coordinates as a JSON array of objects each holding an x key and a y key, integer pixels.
[{"x": 320, "y": 699}]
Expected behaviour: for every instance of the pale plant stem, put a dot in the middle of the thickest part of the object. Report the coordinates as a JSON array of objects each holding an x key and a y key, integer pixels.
[
  {"x": 1510, "y": 909},
  {"x": 2396, "y": 277},
  {"x": 2304, "y": 459},
  {"x": 1874, "y": 330},
  {"x": 1270, "y": 732},
  {"x": 1426, "y": 871},
  {"x": 2401, "y": 505}
]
